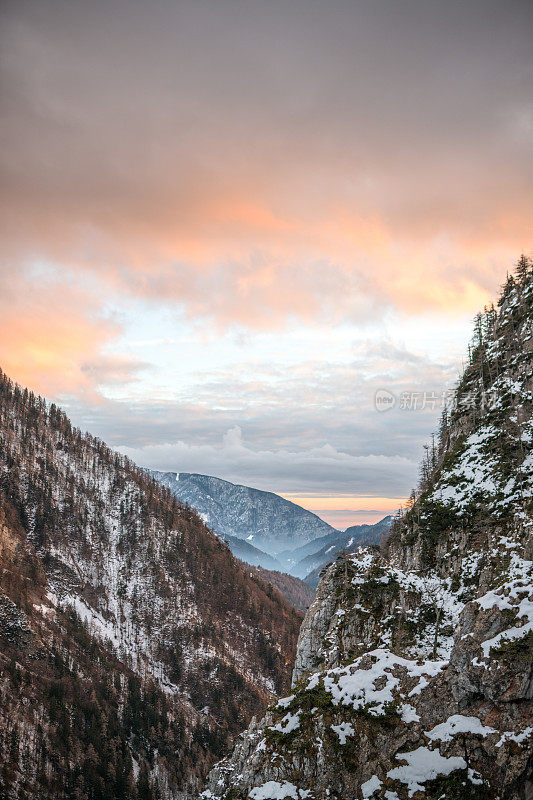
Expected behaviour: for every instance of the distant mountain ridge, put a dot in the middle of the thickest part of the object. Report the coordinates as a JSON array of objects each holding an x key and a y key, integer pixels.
[
  {"x": 320, "y": 552},
  {"x": 264, "y": 519},
  {"x": 265, "y": 530},
  {"x": 251, "y": 555},
  {"x": 360, "y": 532},
  {"x": 348, "y": 542}
]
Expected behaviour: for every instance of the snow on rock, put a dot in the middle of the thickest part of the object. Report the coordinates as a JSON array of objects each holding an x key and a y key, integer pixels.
[
  {"x": 423, "y": 765},
  {"x": 288, "y": 724},
  {"x": 283, "y": 702},
  {"x": 455, "y": 724},
  {"x": 517, "y": 738},
  {"x": 409, "y": 714},
  {"x": 274, "y": 790},
  {"x": 343, "y": 730},
  {"x": 514, "y": 596},
  {"x": 368, "y": 788},
  {"x": 371, "y": 687}
]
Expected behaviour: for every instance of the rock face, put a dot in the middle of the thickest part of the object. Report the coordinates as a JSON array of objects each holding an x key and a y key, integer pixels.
[
  {"x": 264, "y": 519},
  {"x": 414, "y": 668},
  {"x": 133, "y": 645}
]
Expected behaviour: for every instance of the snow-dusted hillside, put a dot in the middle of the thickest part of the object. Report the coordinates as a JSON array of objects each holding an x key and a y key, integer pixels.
[
  {"x": 414, "y": 670},
  {"x": 264, "y": 519},
  {"x": 132, "y": 643}
]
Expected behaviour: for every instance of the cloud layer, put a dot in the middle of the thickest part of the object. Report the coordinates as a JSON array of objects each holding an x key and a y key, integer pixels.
[
  {"x": 218, "y": 173},
  {"x": 231, "y": 460},
  {"x": 261, "y": 161}
]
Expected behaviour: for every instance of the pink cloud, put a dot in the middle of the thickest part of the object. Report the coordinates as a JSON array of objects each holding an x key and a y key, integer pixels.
[{"x": 53, "y": 337}]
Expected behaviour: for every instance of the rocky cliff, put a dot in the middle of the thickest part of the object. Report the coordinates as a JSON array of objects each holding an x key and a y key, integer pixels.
[{"x": 414, "y": 669}]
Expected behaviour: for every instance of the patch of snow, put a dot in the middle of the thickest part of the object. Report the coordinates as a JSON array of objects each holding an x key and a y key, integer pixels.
[
  {"x": 510, "y": 736},
  {"x": 409, "y": 714},
  {"x": 355, "y": 686},
  {"x": 371, "y": 786},
  {"x": 314, "y": 680},
  {"x": 289, "y": 723},
  {"x": 423, "y": 765},
  {"x": 513, "y": 595},
  {"x": 343, "y": 730},
  {"x": 274, "y": 790},
  {"x": 455, "y": 724},
  {"x": 285, "y": 701},
  {"x": 46, "y": 611}
]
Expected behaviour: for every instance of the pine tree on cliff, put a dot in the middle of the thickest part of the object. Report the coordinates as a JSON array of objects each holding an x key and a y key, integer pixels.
[{"x": 522, "y": 269}]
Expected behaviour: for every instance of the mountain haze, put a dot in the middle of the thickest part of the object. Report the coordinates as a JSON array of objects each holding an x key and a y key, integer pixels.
[
  {"x": 264, "y": 519},
  {"x": 307, "y": 561},
  {"x": 263, "y": 529}
]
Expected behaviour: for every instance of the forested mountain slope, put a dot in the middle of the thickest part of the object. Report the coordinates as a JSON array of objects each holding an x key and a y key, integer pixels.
[
  {"x": 245, "y": 551},
  {"x": 297, "y": 592},
  {"x": 132, "y": 643},
  {"x": 414, "y": 670}
]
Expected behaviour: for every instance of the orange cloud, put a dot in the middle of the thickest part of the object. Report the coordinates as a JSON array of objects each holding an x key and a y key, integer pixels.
[
  {"x": 52, "y": 338},
  {"x": 236, "y": 260},
  {"x": 326, "y": 177}
]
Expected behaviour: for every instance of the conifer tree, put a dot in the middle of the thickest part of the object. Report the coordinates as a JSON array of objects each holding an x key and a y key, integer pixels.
[{"x": 522, "y": 269}]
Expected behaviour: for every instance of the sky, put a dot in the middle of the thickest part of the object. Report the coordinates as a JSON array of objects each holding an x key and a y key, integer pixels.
[{"x": 227, "y": 224}]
